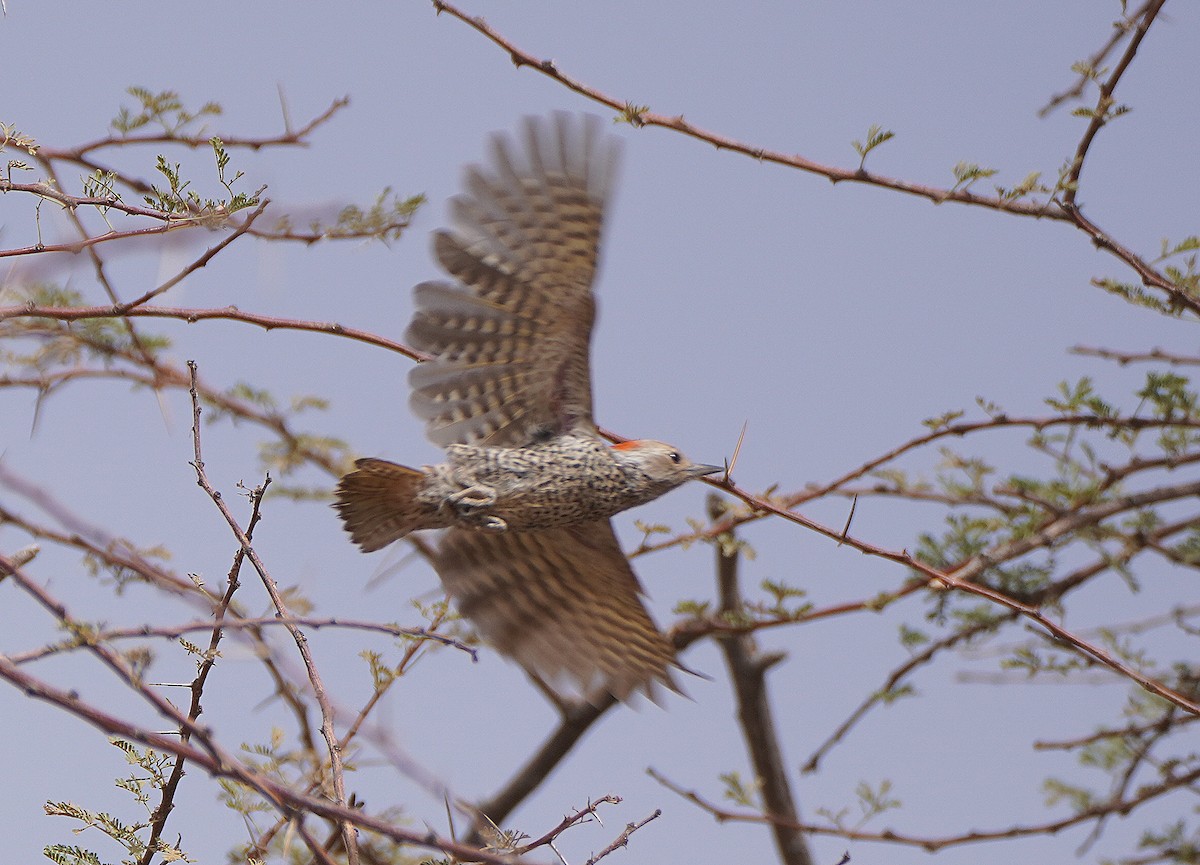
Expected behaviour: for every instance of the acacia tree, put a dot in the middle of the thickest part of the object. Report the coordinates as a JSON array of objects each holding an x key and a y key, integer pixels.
[{"x": 1109, "y": 497}]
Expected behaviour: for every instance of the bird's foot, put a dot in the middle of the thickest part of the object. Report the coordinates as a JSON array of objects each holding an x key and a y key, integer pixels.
[
  {"x": 473, "y": 498},
  {"x": 471, "y": 504},
  {"x": 491, "y": 524},
  {"x": 483, "y": 521}
]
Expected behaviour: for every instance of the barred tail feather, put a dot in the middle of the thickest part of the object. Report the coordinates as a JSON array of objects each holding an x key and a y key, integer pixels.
[{"x": 378, "y": 503}]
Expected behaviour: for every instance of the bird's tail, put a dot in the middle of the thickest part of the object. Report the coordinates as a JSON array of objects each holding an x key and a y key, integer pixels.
[{"x": 378, "y": 503}]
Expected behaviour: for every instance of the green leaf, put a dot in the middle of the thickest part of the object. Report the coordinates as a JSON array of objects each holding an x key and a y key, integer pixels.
[{"x": 876, "y": 136}]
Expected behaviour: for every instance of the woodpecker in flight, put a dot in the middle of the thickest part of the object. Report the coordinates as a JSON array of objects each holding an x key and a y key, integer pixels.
[{"x": 528, "y": 485}]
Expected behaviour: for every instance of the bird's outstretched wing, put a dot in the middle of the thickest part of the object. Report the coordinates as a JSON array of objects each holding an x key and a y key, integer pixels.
[
  {"x": 563, "y": 603},
  {"x": 510, "y": 339}
]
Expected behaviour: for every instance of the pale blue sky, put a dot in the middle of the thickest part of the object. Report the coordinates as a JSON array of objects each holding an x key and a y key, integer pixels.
[{"x": 832, "y": 318}]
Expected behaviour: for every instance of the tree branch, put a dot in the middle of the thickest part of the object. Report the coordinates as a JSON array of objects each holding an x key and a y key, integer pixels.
[
  {"x": 641, "y": 116},
  {"x": 747, "y": 673},
  {"x": 349, "y": 832}
]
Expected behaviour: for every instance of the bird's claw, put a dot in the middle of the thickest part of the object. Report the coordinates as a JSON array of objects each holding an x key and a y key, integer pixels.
[{"x": 471, "y": 503}]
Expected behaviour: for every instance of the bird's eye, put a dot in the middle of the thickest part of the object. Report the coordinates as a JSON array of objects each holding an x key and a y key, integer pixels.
[{"x": 674, "y": 457}]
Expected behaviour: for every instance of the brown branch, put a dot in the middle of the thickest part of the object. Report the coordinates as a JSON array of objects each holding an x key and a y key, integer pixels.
[
  {"x": 962, "y": 581},
  {"x": 190, "y": 315},
  {"x": 121, "y": 555},
  {"x": 105, "y": 548},
  {"x": 934, "y": 843},
  {"x": 349, "y": 832},
  {"x": 879, "y": 695},
  {"x": 951, "y": 499},
  {"x": 687, "y": 631},
  {"x": 964, "y": 576},
  {"x": 952, "y": 430},
  {"x": 177, "y": 221},
  {"x": 80, "y": 245},
  {"x": 1100, "y": 116},
  {"x": 317, "y": 848},
  {"x": 200, "y": 262},
  {"x": 71, "y": 203},
  {"x": 407, "y": 659},
  {"x": 114, "y": 661},
  {"x": 747, "y": 673},
  {"x": 622, "y": 840},
  {"x": 1119, "y": 733},
  {"x": 1067, "y": 211},
  {"x": 194, "y": 216},
  {"x": 410, "y": 654},
  {"x": 290, "y": 137},
  {"x": 1051, "y": 593},
  {"x": 98, "y": 266},
  {"x": 583, "y": 815},
  {"x": 1150, "y": 277},
  {"x": 1131, "y": 546},
  {"x": 1127, "y": 357},
  {"x": 89, "y": 539},
  {"x": 236, "y": 624},
  {"x": 576, "y": 721},
  {"x": 1137, "y": 754},
  {"x": 79, "y": 156},
  {"x": 308, "y": 238},
  {"x": 1104, "y": 102},
  {"x": 638, "y": 116},
  {"x": 1120, "y": 29},
  {"x": 158, "y": 820},
  {"x": 163, "y": 375},
  {"x": 223, "y": 765},
  {"x": 1106, "y": 561}
]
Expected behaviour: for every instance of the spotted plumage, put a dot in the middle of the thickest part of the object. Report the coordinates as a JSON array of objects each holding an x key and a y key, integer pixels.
[{"x": 528, "y": 485}]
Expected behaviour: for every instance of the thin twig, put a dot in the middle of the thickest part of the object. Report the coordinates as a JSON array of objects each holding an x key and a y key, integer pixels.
[
  {"x": 349, "y": 831},
  {"x": 1120, "y": 30},
  {"x": 578, "y": 719},
  {"x": 411, "y": 653},
  {"x": 224, "y": 765},
  {"x": 78, "y": 246},
  {"x": 290, "y": 137},
  {"x": 200, "y": 262},
  {"x": 166, "y": 803},
  {"x": 237, "y": 624},
  {"x": 622, "y": 840},
  {"x": 192, "y": 315},
  {"x": 887, "y": 690},
  {"x": 583, "y": 815},
  {"x": 1155, "y": 355},
  {"x": 933, "y": 843},
  {"x": 71, "y": 203},
  {"x": 1104, "y": 101}
]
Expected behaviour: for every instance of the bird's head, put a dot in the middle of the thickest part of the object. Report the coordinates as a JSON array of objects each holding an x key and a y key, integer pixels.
[{"x": 662, "y": 464}]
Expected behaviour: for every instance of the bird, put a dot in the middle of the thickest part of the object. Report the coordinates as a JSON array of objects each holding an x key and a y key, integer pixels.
[{"x": 528, "y": 486}]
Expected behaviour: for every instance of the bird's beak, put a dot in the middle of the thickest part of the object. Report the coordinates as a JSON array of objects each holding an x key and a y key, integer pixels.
[{"x": 700, "y": 470}]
